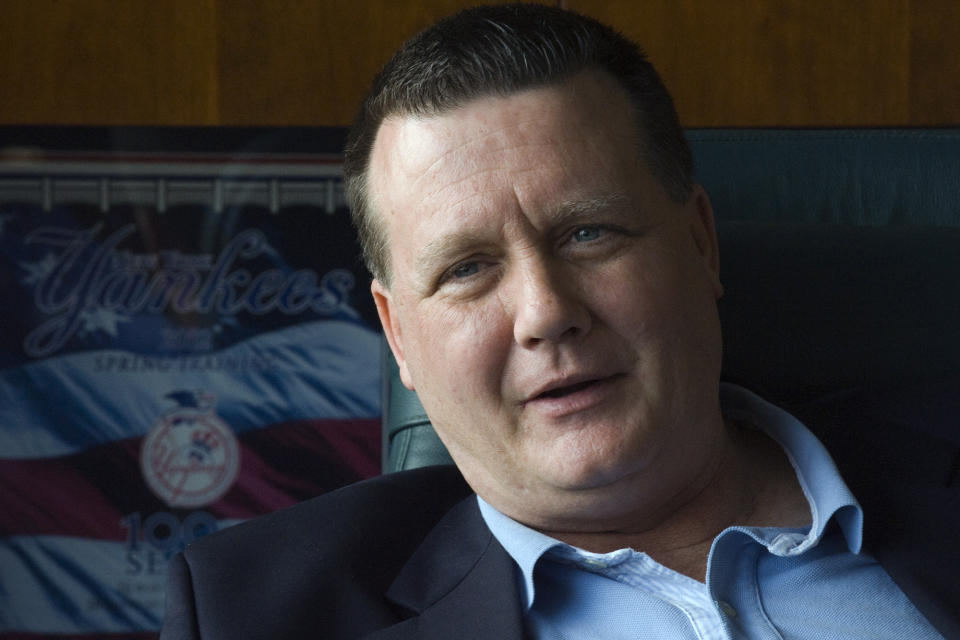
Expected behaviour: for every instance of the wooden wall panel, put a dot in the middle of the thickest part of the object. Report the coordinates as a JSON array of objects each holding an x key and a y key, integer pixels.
[
  {"x": 935, "y": 61},
  {"x": 304, "y": 62},
  {"x": 307, "y": 62},
  {"x": 105, "y": 62},
  {"x": 774, "y": 63}
]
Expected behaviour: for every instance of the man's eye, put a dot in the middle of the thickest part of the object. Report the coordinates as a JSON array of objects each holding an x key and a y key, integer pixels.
[
  {"x": 465, "y": 270},
  {"x": 587, "y": 234}
]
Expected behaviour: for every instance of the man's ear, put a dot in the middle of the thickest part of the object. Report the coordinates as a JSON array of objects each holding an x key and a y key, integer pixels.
[
  {"x": 386, "y": 309},
  {"x": 705, "y": 236}
]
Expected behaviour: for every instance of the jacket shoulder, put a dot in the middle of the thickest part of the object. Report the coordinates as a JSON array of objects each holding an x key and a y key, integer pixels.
[{"x": 323, "y": 564}]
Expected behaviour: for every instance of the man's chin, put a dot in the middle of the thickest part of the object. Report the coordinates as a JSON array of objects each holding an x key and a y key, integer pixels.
[
  {"x": 591, "y": 460},
  {"x": 588, "y": 480}
]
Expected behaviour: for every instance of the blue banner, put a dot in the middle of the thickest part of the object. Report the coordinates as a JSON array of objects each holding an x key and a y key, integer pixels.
[{"x": 187, "y": 342}]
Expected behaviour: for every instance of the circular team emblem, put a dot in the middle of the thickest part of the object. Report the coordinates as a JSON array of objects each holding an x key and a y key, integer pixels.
[{"x": 190, "y": 458}]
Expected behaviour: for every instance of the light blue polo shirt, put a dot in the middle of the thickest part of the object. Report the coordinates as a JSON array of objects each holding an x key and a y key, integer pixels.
[{"x": 762, "y": 582}]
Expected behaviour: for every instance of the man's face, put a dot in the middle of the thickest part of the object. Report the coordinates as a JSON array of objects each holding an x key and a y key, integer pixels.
[{"x": 551, "y": 305}]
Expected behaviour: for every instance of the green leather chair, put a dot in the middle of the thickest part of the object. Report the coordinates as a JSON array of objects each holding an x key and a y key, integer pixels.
[{"x": 840, "y": 256}]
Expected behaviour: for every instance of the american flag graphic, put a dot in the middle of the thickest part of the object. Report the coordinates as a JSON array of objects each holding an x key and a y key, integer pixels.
[{"x": 186, "y": 343}]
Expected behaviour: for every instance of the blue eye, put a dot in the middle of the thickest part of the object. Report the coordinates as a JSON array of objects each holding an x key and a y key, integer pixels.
[
  {"x": 465, "y": 270},
  {"x": 586, "y": 234}
]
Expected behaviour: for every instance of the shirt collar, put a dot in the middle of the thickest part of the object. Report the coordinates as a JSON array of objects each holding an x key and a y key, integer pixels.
[
  {"x": 525, "y": 545},
  {"x": 826, "y": 492},
  {"x": 819, "y": 478}
]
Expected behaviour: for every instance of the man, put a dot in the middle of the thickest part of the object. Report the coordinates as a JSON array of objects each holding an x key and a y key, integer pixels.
[{"x": 546, "y": 272}]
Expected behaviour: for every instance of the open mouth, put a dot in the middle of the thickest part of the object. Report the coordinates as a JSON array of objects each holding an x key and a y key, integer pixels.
[
  {"x": 560, "y": 392},
  {"x": 576, "y": 397}
]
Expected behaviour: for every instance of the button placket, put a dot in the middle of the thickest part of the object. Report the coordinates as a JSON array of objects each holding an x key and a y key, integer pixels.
[{"x": 732, "y": 583}]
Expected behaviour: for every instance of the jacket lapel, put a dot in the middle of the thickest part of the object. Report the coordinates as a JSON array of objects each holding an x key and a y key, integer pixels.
[{"x": 459, "y": 584}]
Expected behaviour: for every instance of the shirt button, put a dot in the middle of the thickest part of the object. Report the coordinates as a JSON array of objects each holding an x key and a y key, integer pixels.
[
  {"x": 727, "y": 608},
  {"x": 786, "y": 543}
]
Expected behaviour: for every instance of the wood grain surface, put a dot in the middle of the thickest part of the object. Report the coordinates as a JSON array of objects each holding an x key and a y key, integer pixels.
[{"x": 308, "y": 62}]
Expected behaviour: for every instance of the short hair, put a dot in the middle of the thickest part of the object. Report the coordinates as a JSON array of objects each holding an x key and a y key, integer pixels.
[{"x": 498, "y": 51}]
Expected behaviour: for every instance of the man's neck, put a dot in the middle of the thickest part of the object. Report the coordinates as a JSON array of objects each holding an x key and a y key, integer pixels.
[{"x": 752, "y": 483}]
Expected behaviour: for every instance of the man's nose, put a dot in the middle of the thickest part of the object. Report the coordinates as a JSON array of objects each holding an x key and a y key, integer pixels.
[{"x": 549, "y": 307}]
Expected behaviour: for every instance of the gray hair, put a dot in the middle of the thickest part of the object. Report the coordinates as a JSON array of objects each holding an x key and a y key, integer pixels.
[{"x": 498, "y": 51}]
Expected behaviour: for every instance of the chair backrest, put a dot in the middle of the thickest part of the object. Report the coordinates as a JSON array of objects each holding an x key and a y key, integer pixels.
[{"x": 840, "y": 257}]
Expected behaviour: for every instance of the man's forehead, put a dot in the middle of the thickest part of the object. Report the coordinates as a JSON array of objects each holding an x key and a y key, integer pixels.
[
  {"x": 421, "y": 136},
  {"x": 413, "y": 146},
  {"x": 403, "y": 141}
]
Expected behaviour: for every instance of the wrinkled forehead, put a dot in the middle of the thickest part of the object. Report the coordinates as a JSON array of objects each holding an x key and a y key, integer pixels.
[{"x": 588, "y": 114}]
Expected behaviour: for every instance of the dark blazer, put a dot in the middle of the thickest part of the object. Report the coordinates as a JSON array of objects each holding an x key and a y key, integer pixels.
[{"x": 408, "y": 555}]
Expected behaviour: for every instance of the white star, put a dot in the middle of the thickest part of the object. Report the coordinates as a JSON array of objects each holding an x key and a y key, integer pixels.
[
  {"x": 101, "y": 319},
  {"x": 37, "y": 271}
]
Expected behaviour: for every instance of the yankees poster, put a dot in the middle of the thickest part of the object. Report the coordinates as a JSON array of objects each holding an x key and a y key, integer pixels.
[{"x": 187, "y": 342}]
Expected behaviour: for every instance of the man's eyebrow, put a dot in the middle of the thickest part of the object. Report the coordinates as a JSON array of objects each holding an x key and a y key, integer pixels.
[
  {"x": 439, "y": 250},
  {"x": 585, "y": 207}
]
